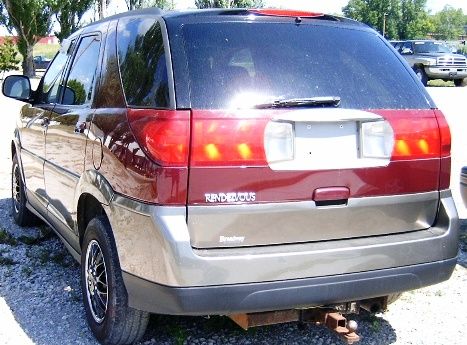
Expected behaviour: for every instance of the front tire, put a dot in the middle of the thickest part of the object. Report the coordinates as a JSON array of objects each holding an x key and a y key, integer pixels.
[
  {"x": 420, "y": 72},
  {"x": 458, "y": 82},
  {"x": 21, "y": 214},
  {"x": 104, "y": 295}
]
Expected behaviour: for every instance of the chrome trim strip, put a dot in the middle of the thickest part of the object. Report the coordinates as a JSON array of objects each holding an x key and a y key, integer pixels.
[
  {"x": 306, "y": 205},
  {"x": 327, "y": 115}
]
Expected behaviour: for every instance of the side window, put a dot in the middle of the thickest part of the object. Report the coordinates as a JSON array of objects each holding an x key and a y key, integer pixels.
[
  {"x": 142, "y": 63},
  {"x": 407, "y": 46},
  {"x": 81, "y": 79},
  {"x": 52, "y": 79}
]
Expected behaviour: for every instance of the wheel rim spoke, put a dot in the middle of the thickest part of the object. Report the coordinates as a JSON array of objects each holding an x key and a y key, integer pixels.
[
  {"x": 16, "y": 188},
  {"x": 96, "y": 281}
]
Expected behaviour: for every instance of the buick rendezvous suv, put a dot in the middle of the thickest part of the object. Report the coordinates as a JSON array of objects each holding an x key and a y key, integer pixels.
[{"x": 234, "y": 162}]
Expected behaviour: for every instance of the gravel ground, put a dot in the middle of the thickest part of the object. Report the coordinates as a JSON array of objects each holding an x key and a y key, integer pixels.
[{"x": 40, "y": 297}]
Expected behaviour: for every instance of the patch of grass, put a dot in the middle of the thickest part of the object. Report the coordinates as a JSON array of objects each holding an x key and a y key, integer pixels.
[
  {"x": 32, "y": 240},
  {"x": 440, "y": 83},
  {"x": 178, "y": 333},
  {"x": 6, "y": 261},
  {"x": 375, "y": 324},
  {"x": 44, "y": 256},
  {"x": 463, "y": 239},
  {"x": 45, "y": 233},
  {"x": 7, "y": 238},
  {"x": 29, "y": 240},
  {"x": 47, "y": 50},
  {"x": 60, "y": 259},
  {"x": 218, "y": 323},
  {"x": 27, "y": 271}
]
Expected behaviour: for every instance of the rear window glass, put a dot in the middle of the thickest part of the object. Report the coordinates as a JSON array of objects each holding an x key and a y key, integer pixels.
[
  {"x": 234, "y": 65},
  {"x": 141, "y": 58}
]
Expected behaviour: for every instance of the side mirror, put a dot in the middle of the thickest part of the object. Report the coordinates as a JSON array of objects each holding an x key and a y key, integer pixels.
[
  {"x": 17, "y": 87},
  {"x": 406, "y": 51}
]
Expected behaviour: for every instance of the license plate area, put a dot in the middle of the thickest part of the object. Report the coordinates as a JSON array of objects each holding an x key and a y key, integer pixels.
[
  {"x": 330, "y": 139},
  {"x": 328, "y": 145}
]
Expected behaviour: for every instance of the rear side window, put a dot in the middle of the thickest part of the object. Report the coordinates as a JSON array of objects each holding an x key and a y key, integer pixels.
[
  {"x": 240, "y": 64},
  {"x": 142, "y": 63}
]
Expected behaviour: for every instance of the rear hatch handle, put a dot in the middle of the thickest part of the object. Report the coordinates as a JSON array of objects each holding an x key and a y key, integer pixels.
[{"x": 331, "y": 196}]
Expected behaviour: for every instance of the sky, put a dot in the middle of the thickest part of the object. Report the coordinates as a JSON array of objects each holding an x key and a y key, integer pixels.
[{"x": 330, "y": 6}]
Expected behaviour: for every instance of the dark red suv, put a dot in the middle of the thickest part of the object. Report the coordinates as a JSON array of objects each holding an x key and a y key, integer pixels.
[{"x": 234, "y": 161}]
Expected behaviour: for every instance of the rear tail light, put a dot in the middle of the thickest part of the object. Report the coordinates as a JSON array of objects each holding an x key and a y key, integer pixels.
[
  {"x": 445, "y": 134},
  {"x": 377, "y": 139},
  {"x": 163, "y": 134},
  {"x": 273, "y": 12},
  {"x": 279, "y": 142},
  {"x": 222, "y": 140},
  {"x": 415, "y": 138},
  {"x": 445, "y": 142}
]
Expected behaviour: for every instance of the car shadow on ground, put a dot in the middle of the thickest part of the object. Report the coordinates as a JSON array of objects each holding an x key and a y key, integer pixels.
[
  {"x": 221, "y": 330},
  {"x": 39, "y": 281}
]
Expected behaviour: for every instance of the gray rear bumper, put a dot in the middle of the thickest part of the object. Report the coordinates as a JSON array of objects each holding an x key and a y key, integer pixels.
[
  {"x": 279, "y": 295},
  {"x": 164, "y": 274}
]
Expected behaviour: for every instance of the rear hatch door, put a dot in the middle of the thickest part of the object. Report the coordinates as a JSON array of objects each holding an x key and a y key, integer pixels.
[{"x": 304, "y": 133}]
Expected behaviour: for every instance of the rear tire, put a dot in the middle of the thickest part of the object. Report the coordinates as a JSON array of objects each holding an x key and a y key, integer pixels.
[
  {"x": 459, "y": 82},
  {"x": 21, "y": 214},
  {"x": 420, "y": 72},
  {"x": 104, "y": 295}
]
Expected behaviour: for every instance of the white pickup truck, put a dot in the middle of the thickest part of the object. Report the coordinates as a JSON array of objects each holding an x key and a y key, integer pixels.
[{"x": 433, "y": 60}]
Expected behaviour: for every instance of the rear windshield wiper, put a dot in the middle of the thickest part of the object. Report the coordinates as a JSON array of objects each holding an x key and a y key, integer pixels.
[{"x": 301, "y": 102}]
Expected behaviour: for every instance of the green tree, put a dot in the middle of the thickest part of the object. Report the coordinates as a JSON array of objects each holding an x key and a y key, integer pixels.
[
  {"x": 228, "y": 3},
  {"x": 8, "y": 56},
  {"x": 69, "y": 15},
  {"x": 449, "y": 23},
  {"x": 31, "y": 19},
  {"x": 414, "y": 21},
  {"x": 77, "y": 88},
  {"x": 135, "y": 4},
  {"x": 382, "y": 15}
]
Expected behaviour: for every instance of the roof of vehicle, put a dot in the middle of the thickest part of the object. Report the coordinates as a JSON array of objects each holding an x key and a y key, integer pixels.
[{"x": 251, "y": 13}]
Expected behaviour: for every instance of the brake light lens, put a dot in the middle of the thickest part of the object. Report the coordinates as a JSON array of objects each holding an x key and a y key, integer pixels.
[
  {"x": 445, "y": 166},
  {"x": 415, "y": 138},
  {"x": 224, "y": 140},
  {"x": 273, "y": 12},
  {"x": 445, "y": 134},
  {"x": 163, "y": 134}
]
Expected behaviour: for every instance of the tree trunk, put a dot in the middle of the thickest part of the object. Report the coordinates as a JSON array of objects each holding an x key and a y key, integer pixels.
[
  {"x": 102, "y": 8},
  {"x": 26, "y": 50}
]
